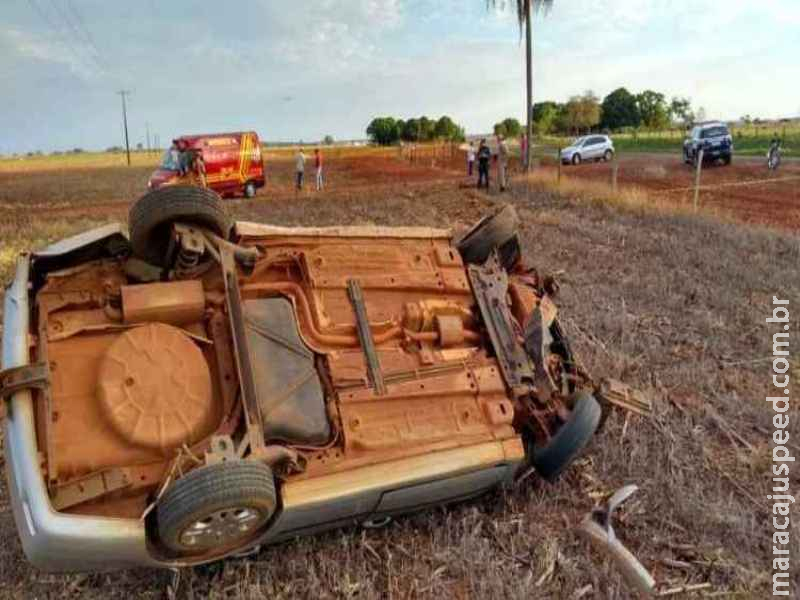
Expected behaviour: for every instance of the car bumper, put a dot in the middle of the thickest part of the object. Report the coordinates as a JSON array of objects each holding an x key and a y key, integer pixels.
[{"x": 717, "y": 151}]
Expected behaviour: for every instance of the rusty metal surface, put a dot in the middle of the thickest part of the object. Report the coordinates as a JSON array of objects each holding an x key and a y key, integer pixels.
[
  {"x": 175, "y": 302},
  {"x": 91, "y": 487},
  {"x": 365, "y": 337},
  {"x": 247, "y": 229},
  {"x": 490, "y": 285},
  {"x": 154, "y": 388},
  {"x": 21, "y": 378},
  {"x": 444, "y": 391}
]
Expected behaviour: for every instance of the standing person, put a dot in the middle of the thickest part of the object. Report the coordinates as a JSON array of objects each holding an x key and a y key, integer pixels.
[
  {"x": 200, "y": 167},
  {"x": 484, "y": 156},
  {"x": 299, "y": 168},
  {"x": 470, "y": 158},
  {"x": 502, "y": 162},
  {"x": 183, "y": 158},
  {"x": 318, "y": 165}
]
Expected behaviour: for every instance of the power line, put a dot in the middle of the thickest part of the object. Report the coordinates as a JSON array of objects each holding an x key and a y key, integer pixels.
[
  {"x": 57, "y": 30},
  {"x": 73, "y": 32},
  {"x": 86, "y": 34}
]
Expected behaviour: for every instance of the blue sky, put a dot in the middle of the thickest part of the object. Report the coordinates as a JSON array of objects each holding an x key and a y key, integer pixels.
[{"x": 304, "y": 69}]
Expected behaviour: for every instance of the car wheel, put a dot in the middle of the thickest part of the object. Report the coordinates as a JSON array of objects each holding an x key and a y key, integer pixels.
[
  {"x": 608, "y": 155},
  {"x": 686, "y": 158},
  {"x": 216, "y": 507},
  {"x": 151, "y": 217},
  {"x": 249, "y": 190},
  {"x": 498, "y": 230},
  {"x": 576, "y": 159},
  {"x": 727, "y": 159},
  {"x": 572, "y": 437}
]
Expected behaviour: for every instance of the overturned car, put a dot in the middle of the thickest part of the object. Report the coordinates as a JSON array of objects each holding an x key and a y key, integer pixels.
[{"x": 204, "y": 387}]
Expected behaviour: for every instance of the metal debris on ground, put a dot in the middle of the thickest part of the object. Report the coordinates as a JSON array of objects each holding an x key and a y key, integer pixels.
[
  {"x": 624, "y": 396},
  {"x": 596, "y": 527}
]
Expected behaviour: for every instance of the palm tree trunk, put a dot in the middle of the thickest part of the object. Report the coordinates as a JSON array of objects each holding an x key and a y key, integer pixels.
[{"x": 529, "y": 75}]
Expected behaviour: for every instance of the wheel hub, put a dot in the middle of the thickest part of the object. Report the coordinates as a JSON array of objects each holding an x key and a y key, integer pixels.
[{"x": 222, "y": 527}]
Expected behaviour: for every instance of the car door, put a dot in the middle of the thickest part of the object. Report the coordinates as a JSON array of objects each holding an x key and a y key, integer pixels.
[{"x": 592, "y": 149}]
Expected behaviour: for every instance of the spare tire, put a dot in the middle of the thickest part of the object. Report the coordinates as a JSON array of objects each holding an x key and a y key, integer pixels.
[
  {"x": 217, "y": 508},
  {"x": 151, "y": 217},
  {"x": 572, "y": 437},
  {"x": 495, "y": 231}
]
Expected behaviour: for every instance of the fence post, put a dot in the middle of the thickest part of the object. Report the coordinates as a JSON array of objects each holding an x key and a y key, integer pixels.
[
  {"x": 558, "y": 166},
  {"x": 697, "y": 178},
  {"x": 614, "y": 172}
]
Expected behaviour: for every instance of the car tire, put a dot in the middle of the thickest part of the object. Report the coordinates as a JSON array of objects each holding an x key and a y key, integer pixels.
[
  {"x": 608, "y": 155},
  {"x": 727, "y": 159},
  {"x": 572, "y": 437},
  {"x": 495, "y": 231},
  {"x": 151, "y": 217},
  {"x": 249, "y": 190},
  {"x": 576, "y": 159},
  {"x": 216, "y": 507}
]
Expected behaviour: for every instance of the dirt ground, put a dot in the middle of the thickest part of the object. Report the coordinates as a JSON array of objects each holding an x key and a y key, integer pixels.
[
  {"x": 671, "y": 303},
  {"x": 768, "y": 198}
]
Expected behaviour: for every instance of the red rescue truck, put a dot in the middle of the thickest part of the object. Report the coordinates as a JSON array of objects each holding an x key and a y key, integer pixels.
[{"x": 232, "y": 163}]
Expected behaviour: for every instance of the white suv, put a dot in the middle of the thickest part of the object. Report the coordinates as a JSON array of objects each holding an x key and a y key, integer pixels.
[{"x": 590, "y": 147}]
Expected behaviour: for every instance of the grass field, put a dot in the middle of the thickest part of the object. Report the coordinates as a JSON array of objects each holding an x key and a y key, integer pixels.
[
  {"x": 748, "y": 140},
  {"x": 666, "y": 300}
]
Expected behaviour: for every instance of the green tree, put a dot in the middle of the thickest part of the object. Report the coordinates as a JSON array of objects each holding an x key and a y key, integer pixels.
[
  {"x": 524, "y": 18},
  {"x": 509, "y": 127},
  {"x": 545, "y": 115},
  {"x": 327, "y": 140},
  {"x": 581, "y": 113},
  {"x": 383, "y": 131},
  {"x": 680, "y": 111},
  {"x": 447, "y": 129},
  {"x": 620, "y": 109},
  {"x": 410, "y": 131},
  {"x": 590, "y": 111},
  {"x": 426, "y": 129},
  {"x": 654, "y": 110}
]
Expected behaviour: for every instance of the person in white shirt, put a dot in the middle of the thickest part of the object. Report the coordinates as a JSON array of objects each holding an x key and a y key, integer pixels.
[
  {"x": 502, "y": 162},
  {"x": 470, "y": 158},
  {"x": 300, "y": 168}
]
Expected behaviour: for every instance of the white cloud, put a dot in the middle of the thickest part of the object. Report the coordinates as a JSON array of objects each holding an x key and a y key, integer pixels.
[
  {"x": 312, "y": 67},
  {"x": 44, "y": 49}
]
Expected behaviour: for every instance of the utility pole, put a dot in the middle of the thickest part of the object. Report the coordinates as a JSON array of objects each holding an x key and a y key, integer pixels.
[
  {"x": 147, "y": 128},
  {"x": 529, "y": 81},
  {"x": 124, "y": 93}
]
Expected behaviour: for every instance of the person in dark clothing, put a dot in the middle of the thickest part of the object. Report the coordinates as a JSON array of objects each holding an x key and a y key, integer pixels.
[{"x": 484, "y": 156}]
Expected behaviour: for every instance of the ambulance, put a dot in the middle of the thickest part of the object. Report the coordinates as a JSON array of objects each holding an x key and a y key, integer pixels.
[{"x": 232, "y": 162}]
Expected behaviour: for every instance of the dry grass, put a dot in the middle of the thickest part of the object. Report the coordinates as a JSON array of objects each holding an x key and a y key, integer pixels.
[
  {"x": 628, "y": 198},
  {"x": 673, "y": 303}
]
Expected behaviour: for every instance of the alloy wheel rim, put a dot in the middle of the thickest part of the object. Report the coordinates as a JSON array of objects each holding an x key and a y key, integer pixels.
[{"x": 221, "y": 527}]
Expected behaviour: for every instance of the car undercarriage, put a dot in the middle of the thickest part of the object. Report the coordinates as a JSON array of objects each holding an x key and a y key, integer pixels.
[{"x": 231, "y": 385}]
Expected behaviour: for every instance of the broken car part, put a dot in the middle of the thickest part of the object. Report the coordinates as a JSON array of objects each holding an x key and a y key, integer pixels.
[{"x": 597, "y": 528}]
